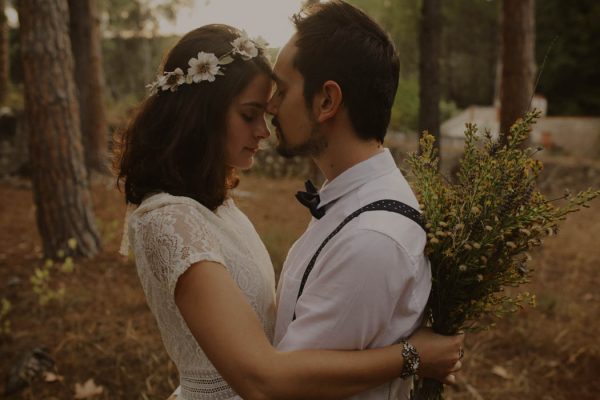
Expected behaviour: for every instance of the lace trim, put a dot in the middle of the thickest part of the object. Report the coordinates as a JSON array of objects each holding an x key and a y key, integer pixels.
[
  {"x": 187, "y": 262},
  {"x": 209, "y": 387}
]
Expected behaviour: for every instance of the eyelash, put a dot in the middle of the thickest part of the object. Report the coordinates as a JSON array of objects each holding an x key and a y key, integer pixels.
[{"x": 247, "y": 118}]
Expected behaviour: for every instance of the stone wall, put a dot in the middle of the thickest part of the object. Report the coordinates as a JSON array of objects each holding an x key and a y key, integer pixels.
[
  {"x": 576, "y": 136},
  {"x": 579, "y": 136}
]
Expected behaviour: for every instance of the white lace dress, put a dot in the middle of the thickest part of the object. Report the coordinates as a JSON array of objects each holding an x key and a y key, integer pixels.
[{"x": 167, "y": 235}]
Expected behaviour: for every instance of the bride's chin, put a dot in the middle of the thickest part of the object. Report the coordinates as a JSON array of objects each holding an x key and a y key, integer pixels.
[
  {"x": 242, "y": 165},
  {"x": 246, "y": 166}
]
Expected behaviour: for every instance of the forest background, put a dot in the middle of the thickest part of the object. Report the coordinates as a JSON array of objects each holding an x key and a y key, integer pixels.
[{"x": 73, "y": 319}]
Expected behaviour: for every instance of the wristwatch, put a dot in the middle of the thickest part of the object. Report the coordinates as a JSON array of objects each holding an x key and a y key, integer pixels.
[{"x": 411, "y": 360}]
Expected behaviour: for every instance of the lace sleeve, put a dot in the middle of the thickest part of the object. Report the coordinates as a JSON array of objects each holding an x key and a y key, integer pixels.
[{"x": 169, "y": 239}]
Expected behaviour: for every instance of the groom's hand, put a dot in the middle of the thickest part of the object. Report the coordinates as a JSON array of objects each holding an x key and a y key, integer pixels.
[{"x": 439, "y": 355}]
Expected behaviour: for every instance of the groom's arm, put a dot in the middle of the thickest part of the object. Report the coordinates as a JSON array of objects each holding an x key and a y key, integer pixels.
[{"x": 365, "y": 281}]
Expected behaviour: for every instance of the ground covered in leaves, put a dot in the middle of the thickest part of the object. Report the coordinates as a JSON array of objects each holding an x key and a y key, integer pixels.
[{"x": 105, "y": 344}]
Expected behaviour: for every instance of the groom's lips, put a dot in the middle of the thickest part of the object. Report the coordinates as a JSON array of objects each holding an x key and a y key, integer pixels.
[{"x": 275, "y": 123}]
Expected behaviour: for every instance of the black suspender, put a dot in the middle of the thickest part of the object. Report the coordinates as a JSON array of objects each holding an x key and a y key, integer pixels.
[{"x": 380, "y": 205}]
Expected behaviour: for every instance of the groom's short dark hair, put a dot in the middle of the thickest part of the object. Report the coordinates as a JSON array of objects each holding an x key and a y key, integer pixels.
[{"x": 337, "y": 41}]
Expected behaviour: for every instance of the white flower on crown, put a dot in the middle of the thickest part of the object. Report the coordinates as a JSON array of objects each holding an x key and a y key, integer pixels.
[
  {"x": 203, "y": 68},
  {"x": 206, "y": 66},
  {"x": 171, "y": 80},
  {"x": 153, "y": 87},
  {"x": 245, "y": 47}
]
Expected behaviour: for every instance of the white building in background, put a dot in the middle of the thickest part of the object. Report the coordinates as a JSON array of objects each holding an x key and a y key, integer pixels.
[{"x": 578, "y": 136}]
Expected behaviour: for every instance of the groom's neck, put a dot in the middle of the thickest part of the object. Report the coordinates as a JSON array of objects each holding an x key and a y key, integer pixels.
[{"x": 344, "y": 151}]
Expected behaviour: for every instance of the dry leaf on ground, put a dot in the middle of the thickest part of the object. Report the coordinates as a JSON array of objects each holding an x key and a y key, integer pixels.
[
  {"x": 52, "y": 377},
  {"x": 501, "y": 372},
  {"x": 87, "y": 390}
]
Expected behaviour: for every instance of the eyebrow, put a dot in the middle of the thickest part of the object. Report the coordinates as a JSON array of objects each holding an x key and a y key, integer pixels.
[{"x": 255, "y": 104}]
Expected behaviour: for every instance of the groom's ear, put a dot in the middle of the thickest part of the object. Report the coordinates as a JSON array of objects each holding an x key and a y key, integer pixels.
[{"x": 328, "y": 101}]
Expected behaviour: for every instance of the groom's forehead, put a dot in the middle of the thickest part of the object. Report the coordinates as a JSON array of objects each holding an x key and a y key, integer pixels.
[{"x": 285, "y": 58}]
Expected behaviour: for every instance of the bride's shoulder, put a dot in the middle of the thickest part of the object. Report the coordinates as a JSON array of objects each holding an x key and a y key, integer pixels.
[
  {"x": 164, "y": 206},
  {"x": 166, "y": 203}
]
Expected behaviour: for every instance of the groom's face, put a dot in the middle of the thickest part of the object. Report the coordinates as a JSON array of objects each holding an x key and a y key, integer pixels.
[{"x": 297, "y": 130}]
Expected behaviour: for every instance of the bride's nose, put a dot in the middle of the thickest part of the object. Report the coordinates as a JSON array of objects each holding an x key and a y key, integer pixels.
[{"x": 262, "y": 131}]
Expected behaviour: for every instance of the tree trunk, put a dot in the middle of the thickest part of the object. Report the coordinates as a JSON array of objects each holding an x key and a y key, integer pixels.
[
  {"x": 429, "y": 80},
  {"x": 60, "y": 186},
  {"x": 4, "y": 53},
  {"x": 518, "y": 62},
  {"x": 498, "y": 76},
  {"x": 89, "y": 78}
]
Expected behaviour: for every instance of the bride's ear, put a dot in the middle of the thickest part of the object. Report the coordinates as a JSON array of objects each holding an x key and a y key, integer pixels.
[{"x": 328, "y": 101}]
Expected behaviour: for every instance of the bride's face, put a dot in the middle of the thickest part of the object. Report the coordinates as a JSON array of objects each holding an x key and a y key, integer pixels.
[{"x": 245, "y": 122}]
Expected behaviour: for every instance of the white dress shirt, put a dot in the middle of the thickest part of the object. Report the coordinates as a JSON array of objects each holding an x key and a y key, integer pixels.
[{"x": 370, "y": 284}]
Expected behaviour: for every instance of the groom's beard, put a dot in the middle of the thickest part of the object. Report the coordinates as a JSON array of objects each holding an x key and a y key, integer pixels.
[{"x": 312, "y": 147}]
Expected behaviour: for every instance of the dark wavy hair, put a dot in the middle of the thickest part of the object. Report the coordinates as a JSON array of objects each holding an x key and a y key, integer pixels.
[
  {"x": 175, "y": 141},
  {"x": 337, "y": 41}
]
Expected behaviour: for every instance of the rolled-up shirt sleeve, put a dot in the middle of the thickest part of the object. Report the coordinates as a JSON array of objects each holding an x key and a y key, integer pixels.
[{"x": 363, "y": 283}]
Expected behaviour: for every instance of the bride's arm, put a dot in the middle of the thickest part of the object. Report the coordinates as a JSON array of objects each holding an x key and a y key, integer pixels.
[{"x": 229, "y": 332}]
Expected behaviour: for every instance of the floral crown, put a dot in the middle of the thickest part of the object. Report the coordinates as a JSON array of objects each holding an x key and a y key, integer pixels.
[{"x": 206, "y": 66}]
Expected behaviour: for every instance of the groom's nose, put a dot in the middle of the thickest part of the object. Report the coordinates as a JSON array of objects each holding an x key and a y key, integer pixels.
[{"x": 271, "y": 107}]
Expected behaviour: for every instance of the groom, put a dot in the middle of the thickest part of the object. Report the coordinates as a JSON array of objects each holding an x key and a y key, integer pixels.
[{"x": 336, "y": 81}]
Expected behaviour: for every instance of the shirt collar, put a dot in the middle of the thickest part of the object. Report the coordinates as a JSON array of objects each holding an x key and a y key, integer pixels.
[{"x": 356, "y": 176}]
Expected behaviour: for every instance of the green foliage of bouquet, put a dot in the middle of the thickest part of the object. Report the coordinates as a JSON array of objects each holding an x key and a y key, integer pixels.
[{"x": 481, "y": 226}]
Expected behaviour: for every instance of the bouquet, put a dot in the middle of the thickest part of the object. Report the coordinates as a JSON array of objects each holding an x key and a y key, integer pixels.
[{"x": 480, "y": 227}]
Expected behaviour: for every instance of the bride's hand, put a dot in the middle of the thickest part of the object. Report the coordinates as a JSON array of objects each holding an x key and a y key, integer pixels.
[{"x": 440, "y": 356}]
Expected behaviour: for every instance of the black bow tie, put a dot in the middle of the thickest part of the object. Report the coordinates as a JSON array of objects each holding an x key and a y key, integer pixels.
[{"x": 310, "y": 199}]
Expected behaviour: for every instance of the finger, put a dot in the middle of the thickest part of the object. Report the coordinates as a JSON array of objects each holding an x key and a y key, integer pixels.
[
  {"x": 450, "y": 380},
  {"x": 457, "y": 366}
]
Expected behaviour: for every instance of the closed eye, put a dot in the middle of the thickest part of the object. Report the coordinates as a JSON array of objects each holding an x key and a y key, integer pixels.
[
  {"x": 251, "y": 110},
  {"x": 248, "y": 118}
]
